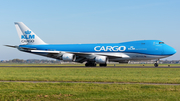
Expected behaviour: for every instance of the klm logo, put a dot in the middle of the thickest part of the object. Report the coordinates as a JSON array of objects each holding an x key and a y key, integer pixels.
[
  {"x": 27, "y": 37},
  {"x": 131, "y": 48},
  {"x": 27, "y": 32}
]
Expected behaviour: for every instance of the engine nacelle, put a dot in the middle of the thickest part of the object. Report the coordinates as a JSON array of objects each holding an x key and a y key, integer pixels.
[
  {"x": 68, "y": 57},
  {"x": 101, "y": 59}
]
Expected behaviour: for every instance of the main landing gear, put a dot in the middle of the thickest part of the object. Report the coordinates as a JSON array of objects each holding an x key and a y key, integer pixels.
[
  {"x": 93, "y": 64},
  {"x": 90, "y": 64},
  {"x": 102, "y": 65}
]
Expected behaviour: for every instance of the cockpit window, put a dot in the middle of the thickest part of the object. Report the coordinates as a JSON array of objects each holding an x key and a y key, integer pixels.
[{"x": 161, "y": 42}]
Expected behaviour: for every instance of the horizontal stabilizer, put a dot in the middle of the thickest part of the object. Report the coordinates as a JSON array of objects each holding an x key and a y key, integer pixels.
[{"x": 11, "y": 46}]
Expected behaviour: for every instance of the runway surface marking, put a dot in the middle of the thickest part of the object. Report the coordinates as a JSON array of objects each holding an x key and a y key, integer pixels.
[{"x": 91, "y": 82}]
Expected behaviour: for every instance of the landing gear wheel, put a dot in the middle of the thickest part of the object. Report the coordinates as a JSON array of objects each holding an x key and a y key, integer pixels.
[
  {"x": 90, "y": 64},
  {"x": 156, "y": 65},
  {"x": 87, "y": 64},
  {"x": 93, "y": 64},
  {"x": 102, "y": 65}
]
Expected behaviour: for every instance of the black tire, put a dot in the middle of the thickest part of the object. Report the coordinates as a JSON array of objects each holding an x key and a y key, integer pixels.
[
  {"x": 94, "y": 65},
  {"x": 90, "y": 64},
  {"x": 156, "y": 65},
  {"x": 102, "y": 65},
  {"x": 87, "y": 64}
]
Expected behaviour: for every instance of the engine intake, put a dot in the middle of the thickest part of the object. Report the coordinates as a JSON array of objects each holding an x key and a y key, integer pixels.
[
  {"x": 101, "y": 59},
  {"x": 68, "y": 57}
]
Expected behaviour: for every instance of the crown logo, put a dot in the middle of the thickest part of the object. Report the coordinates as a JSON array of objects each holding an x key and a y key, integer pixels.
[
  {"x": 131, "y": 48},
  {"x": 27, "y": 32}
]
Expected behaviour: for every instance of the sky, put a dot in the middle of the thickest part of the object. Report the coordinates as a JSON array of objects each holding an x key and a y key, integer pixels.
[{"x": 89, "y": 21}]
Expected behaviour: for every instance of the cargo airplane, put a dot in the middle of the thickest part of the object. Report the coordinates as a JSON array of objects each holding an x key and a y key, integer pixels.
[{"x": 93, "y": 54}]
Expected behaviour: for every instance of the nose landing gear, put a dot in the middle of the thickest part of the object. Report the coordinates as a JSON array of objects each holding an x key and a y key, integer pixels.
[{"x": 156, "y": 64}]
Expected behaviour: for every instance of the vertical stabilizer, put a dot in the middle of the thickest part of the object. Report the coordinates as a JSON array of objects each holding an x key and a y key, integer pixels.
[{"x": 26, "y": 35}]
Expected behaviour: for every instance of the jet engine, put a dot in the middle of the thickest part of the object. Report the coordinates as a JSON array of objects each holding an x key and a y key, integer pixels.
[
  {"x": 68, "y": 57},
  {"x": 101, "y": 59}
]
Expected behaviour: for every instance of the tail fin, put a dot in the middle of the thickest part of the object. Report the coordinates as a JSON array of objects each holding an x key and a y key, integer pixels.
[{"x": 26, "y": 35}]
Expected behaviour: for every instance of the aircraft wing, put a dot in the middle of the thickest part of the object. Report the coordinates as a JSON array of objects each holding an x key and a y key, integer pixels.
[
  {"x": 43, "y": 51},
  {"x": 55, "y": 54},
  {"x": 114, "y": 55},
  {"x": 80, "y": 57}
]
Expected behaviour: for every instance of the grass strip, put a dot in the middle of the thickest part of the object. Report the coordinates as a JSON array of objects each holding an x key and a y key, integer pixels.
[
  {"x": 79, "y": 91},
  {"x": 136, "y": 75}
]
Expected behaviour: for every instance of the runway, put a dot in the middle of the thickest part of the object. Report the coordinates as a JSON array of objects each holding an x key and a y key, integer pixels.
[
  {"x": 97, "y": 66},
  {"x": 92, "y": 82}
]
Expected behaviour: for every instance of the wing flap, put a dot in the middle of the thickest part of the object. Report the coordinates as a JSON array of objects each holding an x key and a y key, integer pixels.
[
  {"x": 110, "y": 55},
  {"x": 43, "y": 51}
]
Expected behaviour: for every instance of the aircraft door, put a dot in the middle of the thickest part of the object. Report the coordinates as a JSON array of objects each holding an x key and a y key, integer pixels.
[
  {"x": 159, "y": 47},
  {"x": 162, "y": 52}
]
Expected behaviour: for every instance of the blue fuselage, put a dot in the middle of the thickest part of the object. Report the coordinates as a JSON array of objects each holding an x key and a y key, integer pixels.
[{"x": 148, "y": 47}]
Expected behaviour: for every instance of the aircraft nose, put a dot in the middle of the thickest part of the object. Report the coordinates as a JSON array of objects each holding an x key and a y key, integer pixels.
[{"x": 168, "y": 50}]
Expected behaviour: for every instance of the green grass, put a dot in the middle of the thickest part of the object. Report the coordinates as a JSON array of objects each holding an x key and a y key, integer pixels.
[
  {"x": 146, "y": 75},
  {"x": 80, "y": 91}
]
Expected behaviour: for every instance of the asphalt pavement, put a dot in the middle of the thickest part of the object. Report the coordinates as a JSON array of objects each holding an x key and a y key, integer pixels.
[{"x": 98, "y": 66}]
